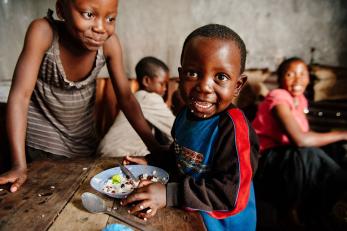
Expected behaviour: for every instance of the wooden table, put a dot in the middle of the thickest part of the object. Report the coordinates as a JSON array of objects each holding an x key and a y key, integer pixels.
[{"x": 50, "y": 200}]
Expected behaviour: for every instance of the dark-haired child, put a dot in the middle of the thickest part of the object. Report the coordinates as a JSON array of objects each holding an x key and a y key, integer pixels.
[
  {"x": 294, "y": 174},
  {"x": 50, "y": 111},
  {"x": 121, "y": 139},
  {"x": 214, "y": 155}
]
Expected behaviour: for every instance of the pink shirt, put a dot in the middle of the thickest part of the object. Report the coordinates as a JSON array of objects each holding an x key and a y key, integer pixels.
[{"x": 268, "y": 128}]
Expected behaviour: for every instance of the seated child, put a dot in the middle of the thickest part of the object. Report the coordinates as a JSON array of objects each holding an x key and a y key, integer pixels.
[
  {"x": 121, "y": 139},
  {"x": 293, "y": 172},
  {"x": 214, "y": 155}
]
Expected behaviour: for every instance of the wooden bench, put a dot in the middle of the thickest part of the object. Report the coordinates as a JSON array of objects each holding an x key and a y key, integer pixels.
[{"x": 327, "y": 115}]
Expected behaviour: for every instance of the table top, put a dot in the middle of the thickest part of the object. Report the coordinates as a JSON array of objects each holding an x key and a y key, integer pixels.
[{"x": 51, "y": 200}]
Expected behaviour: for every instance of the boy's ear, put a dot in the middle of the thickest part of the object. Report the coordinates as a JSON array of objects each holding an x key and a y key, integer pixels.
[
  {"x": 239, "y": 84},
  {"x": 145, "y": 81}
]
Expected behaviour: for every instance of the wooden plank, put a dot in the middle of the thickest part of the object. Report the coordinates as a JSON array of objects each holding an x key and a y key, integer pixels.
[
  {"x": 49, "y": 186},
  {"x": 74, "y": 217}
]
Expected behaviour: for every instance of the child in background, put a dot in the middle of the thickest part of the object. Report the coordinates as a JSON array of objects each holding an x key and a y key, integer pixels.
[
  {"x": 214, "y": 155},
  {"x": 121, "y": 139},
  {"x": 51, "y": 102},
  {"x": 293, "y": 172}
]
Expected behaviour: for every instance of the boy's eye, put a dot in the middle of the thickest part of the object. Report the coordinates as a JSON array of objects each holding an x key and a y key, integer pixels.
[
  {"x": 191, "y": 74},
  {"x": 222, "y": 77},
  {"x": 110, "y": 19},
  {"x": 87, "y": 15}
]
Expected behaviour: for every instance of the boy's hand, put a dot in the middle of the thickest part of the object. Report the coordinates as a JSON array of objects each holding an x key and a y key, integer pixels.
[
  {"x": 134, "y": 160},
  {"x": 15, "y": 176},
  {"x": 149, "y": 197}
]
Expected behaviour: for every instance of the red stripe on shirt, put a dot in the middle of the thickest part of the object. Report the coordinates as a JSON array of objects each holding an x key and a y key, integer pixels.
[{"x": 243, "y": 152}]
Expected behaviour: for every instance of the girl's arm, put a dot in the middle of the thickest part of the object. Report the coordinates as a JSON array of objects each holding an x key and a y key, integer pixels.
[
  {"x": 126, "y": 99},
  {"x": 300, "y": 138},
  {"x": 37, "y": 40}
]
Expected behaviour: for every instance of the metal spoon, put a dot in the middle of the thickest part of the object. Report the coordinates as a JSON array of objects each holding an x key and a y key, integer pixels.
[{"x": 95, "y": 204}]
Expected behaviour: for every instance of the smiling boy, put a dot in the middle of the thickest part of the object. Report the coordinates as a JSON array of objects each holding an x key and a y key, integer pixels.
[{"x": 214, "y": 155}]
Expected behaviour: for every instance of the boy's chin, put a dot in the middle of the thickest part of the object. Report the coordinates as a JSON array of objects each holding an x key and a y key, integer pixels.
[
  {"x": 91, "y": 47},
  {"x": 201, "y": 115}
]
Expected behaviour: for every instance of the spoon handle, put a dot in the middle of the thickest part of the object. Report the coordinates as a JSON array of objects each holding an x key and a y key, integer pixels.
[{"x": 129, "y": 222}]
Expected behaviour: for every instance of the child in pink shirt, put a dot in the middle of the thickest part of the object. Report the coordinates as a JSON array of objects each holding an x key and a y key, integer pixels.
[
  {"x": 272, "y": 135},
  {"x": 296, "y": 176}
]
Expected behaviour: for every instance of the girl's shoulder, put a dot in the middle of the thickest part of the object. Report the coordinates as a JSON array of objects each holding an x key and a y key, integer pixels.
[
  {"x": 41, "y": 25},
  {"x": 40, "y": 31},
  {"x": 278, "y": 96},
  {"x": 284, "y": 95}
]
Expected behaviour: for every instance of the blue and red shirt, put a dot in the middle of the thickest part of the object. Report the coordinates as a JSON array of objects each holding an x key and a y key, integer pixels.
[{"x": 211, "y": 167}]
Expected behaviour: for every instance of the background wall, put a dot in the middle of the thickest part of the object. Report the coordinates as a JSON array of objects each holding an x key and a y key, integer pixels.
[{"x": 271, "y": 29}]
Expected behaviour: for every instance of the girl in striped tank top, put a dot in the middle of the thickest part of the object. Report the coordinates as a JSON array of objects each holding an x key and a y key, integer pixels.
[{"x": 51, "y": 102}]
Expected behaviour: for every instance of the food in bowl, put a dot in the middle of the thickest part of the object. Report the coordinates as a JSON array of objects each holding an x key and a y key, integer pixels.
[
  {"x": 120, "y": 184},
  {"x": 114, "y": 183}
]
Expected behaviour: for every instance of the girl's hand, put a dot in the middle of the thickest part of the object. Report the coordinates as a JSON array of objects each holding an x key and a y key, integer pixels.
[
  {"x": 134, "y": 160},
  {"x": 15, "y": 176},
  {"x": 149, "y": 197}
]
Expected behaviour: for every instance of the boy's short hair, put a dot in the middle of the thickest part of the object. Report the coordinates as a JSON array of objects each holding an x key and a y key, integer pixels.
[
  {"x": 220, "y": 32},
  {"x": 148, "y": 66},
  {"x": 282, "y": 68}
]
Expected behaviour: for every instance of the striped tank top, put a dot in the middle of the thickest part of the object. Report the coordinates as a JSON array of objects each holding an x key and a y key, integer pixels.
[{"x": 61, "y": 112}]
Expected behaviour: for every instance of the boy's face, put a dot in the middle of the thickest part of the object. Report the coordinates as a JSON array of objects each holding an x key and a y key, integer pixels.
[
  {"x": 210, "y": 75},
  {"x": 296, "y": 78},
  {"x": 90, "y": 22},
  {"x": 158, "y": 83}
]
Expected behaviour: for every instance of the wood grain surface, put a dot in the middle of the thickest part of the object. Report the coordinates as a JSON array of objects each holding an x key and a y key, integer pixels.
[
  {"x": 39, "y": 201},
  {"x": 51, "y": 200}
]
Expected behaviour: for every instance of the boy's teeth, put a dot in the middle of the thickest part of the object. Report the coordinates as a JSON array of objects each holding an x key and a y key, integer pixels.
[{"x": 202, "y": 104}]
